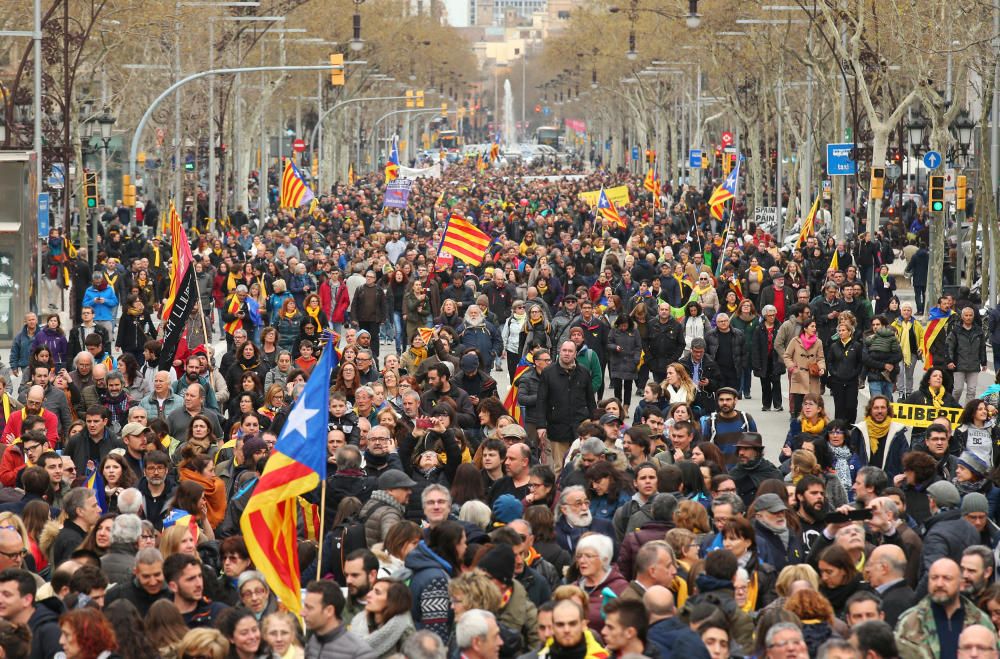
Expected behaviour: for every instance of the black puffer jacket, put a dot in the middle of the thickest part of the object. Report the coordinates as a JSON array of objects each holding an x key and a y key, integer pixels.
[
  {"x": 966, "y": 348},
  {"x": 664, "y": 344},
  {"x": 845, "y": 361}
]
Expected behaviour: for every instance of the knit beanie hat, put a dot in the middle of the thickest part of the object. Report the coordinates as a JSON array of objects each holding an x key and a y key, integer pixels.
[
  {"x": 507, "y": 508},
  {"x": 974, "y": 463},
  {"x": 499, "y": 564},
  {"x": 975, "y": 502}
]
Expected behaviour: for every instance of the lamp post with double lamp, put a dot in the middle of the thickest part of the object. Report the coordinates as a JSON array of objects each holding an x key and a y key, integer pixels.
[
  {"x": 692, "y": 20},
  {"x": 100, "y": 127}
]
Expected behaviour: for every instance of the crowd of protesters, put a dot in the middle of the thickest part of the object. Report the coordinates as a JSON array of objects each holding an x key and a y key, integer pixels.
[{"x": 614, "y": 501}]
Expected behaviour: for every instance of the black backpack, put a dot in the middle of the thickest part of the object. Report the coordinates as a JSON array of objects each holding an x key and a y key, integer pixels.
[{"x": 343, "y": 539}]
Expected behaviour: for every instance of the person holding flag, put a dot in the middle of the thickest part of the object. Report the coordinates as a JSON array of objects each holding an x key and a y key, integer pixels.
[
  {"x": 725, "y": 192},
  {"x": 296, "y": 467},
  {"x": 392, "y": 165},
  {"x": 607, "y": 210}
]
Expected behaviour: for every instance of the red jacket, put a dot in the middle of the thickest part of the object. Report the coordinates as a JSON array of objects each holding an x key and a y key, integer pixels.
[
  {"x": 341, "y": 303},
  {"x": 11, "y": 464},
  {"x": 12, "y": 430}
]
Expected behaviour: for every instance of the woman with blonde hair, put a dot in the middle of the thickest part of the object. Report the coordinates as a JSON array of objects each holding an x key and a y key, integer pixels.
[
  {"x": 803, "y": 463},
  {"x": 204, "y": 642},
  {"x": 571, "y": 592},
  {"x": 281, "y": 632},
  {"x": 178, "y": 539},
  {"x": 678, "y": 386}
]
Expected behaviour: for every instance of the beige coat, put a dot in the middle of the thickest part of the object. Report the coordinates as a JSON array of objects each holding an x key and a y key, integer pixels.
[{"x": 797, "y": 357}]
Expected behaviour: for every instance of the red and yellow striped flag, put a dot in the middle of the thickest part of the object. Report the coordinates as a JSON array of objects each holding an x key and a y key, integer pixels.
[{"x": 464, "y": 241}]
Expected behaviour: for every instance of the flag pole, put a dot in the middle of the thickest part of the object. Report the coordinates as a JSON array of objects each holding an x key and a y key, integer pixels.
[{"x": 322, "y": 527}]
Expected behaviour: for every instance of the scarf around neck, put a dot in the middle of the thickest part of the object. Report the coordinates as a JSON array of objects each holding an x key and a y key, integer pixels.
[
  {"x": 876, "y": 432},
  {"x": 807, "y": 341},
  {"x": 813, "y": 427}
]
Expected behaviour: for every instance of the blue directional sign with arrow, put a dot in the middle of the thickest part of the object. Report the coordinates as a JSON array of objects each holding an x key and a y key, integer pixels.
[{"x": 932, "y": 159}]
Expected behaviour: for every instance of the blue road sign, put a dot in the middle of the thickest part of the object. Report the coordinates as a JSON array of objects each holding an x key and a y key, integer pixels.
[
  {"x": 932, "y": 159},
  {"x": 838, "y": 160},
  {"x": 43, "y": 214},
  {"x": 635, "y": 153},
  {"x": 694, "y": 158}
]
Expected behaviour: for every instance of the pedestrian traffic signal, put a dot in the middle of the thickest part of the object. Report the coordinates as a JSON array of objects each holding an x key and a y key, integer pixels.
[
  {"x": 337, "y": 69},
  {"x": 420, "y": 98},
  {"x": 409, "y": 98},
  {"x": 960, "y": 192},
  {"x": 937, "y": 194},
  {"x": 90, "y": 188}
]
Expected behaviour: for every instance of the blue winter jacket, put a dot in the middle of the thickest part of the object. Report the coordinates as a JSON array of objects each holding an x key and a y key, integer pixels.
[
  {"x": 429, "y": 586},
  {"x": 672, "y": 638}
]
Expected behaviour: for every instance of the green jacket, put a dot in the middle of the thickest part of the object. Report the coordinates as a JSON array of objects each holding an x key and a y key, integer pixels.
[
  {"x": 588, "y": 359},
  {"x": 520, "y": 615},
  {"x": 916, "y": 631}
]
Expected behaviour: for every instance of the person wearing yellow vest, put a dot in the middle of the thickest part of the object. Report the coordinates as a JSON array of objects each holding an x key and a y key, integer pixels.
[{"x": 235, "y": 314}]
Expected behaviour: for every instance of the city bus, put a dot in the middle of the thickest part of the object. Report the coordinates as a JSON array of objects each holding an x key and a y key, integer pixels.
[{"x": 549, "y": 136}]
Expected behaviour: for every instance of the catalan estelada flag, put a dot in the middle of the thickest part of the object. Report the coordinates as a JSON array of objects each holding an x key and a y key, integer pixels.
[
  {"x": 834, "y": 262},
  {"x": 510, "y": 402},
  {"x": 495, "y": 149},
  {"x": 298, "y": 463},
  {"x": 725, "y": 192},
  {"x": 392, "y": 165},
  {"x": 351, "y": 176},
  {"x": 294, "y": 191},
  {"x": 608, "y": 211},
  {"x": 937, "y": 321},
  {"x": 808, "y": 224},
  {"x": 464, "y": 241},
  {"x": 96, "y": 483}
]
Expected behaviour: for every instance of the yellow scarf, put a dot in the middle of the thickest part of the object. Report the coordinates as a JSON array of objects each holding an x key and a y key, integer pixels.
[
  {"x": 813, "y": 427},
  {"x": 904, "y": 340},
  {"x": 285, "y": 314},
  {"x": 231, "y": 282},
  {"x": 752, "y": 587},
  {"x": 937, "y": 397},
  {"x": 111, "y": 280},
  {"x": 6, "y": 408},
  {"x": 156, "y": 257},
  {"x": 314, "y": 314},
  {"x": 699, "y": 291},
  {"x": 263, "y": 288},
  {"x": 876, "y": 431},
  {"x": 419, "y": 354},
  {"x": 756, "y": 272}
]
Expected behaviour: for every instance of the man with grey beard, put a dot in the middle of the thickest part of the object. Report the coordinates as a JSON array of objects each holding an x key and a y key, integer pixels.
[{"x": 575, "y": 519}]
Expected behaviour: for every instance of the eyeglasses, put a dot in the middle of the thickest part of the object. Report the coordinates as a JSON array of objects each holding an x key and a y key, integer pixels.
[
  {"x": 726, "y": 489},
  {"x": 587, "y": 556},
  {"x": 532, "y": 486},
  {"x": 378, "y": 440},
  {"x": 148, "y": 536},
  {"x": 14, "y": 555},
  {"x": 584, "y": 503},
  {"x": 256, "y": 592}
]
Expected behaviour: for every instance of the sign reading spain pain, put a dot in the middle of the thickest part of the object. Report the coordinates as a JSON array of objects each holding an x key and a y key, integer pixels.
[{"x": 921, "y": 416}]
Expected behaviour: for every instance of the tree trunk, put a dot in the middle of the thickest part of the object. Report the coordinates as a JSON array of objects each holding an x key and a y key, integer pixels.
[
  {"x": 756, "y": 166},
  {"x": 880, "y": 148},
  {"x": 935, "y": 272}
]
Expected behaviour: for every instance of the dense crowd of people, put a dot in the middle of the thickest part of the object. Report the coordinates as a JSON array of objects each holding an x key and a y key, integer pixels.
[{"x": 548, "y": 454}]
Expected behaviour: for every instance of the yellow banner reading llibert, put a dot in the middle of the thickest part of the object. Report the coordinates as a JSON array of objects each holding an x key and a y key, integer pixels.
[
  {"x": 618, "y": 196},
  {"x": 921, "y": 416}
]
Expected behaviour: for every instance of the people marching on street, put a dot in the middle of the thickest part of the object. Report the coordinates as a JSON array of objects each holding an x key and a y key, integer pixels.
[{"x": 541, "y": 438}]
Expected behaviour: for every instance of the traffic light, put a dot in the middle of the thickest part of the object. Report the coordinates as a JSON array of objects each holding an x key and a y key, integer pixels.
[
  {"x": 650, "y": 156},
  {"x": 128, "y": 191},
  {"x": 937, "y": 194},
  {"x": 878, "y": 178},
  {"x": 337, "y": 69},
  {"x": 420, "y": 98},
  {"x": 409, "y": 98},
  {"x": 727, "y": 164},
  {"x": 90, "y": 188},
  {"x": 960, "y": 192}
]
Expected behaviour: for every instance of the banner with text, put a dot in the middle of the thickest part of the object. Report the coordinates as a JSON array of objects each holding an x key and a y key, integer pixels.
[
  {"x": 921, "y": 416},
  {"x": 397, "y": 192},
  {"x": 618, "y": 196}
]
